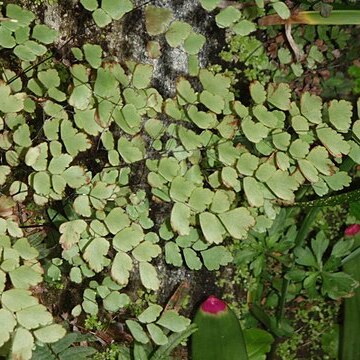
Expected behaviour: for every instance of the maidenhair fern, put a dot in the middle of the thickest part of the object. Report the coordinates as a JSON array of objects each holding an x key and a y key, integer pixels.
[{"x": 111, "y": 150}]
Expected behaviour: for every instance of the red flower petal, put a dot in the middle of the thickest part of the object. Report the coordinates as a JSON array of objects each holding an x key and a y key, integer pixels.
[
  {"x": 352, "y": 230},
  {"x": 213, "y": 305}
]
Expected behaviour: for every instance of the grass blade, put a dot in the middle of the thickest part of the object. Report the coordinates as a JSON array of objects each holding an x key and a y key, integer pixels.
[{"x": 337, "y": 17}]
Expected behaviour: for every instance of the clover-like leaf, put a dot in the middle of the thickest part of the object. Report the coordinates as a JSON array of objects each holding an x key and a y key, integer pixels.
[
  {"x": 200, "y": 199},
  {"x": 169, "y": 168},
  {"x": 266, "y": 117},
  {"x": 215, "y": 257},
  {"x": 49, "y": 78},
  {"x": 50, "y": 333},
  {"x": 228, "y": 127},
  {"x": 177, "y": 33},
  {"x": 93, "y": 54},
  {"x": 137, "y": 331},
  {"x": 334, "y": 142},
  {"x": 281, "y": 9},
  {"x": 191, "y": 259},
  {"x": 34, "y": 316},
  {"x": 74, "y": 141},
  {"x": 227, "y": 17},
  {"x": 150, "y": 314},
  {"x": 117, "y": 8},
  {"x": 211, "y": 227},
  {"x": 237, "y": 222},
  {"x": 340, "y": 113},
  {"x": 101, "y": 18},
  {"x": 25, "y": 250},
  {"x": 279, "y": 95},
  {"x": 214, "y": 103},
  {"x": 90, "y": 5},
  {"x": 154, "y": 128},
  {"x": 115, "y": 301},
  {"x": 180, "y": 218},
  {"x": 70, "y": 232},
  {"x": 41, "y": 183},
  {"x": 172, "y": 254},
  {"x": 4, "y": 172},
  {"x": 80, "y": 97},
  {"x": 86, "y": 120},
  {"x": 75, "y": 176},
  {"x": 153, "y": 49},
  {"x": 117, "y": 220},
  {"x": 202, "y": 119},
  {"x": 157, "y": 334},
  {"x": 308, "y": 170},
  {"x": 10, "y": 103},
  {"x": 229, "y": 178},
  {"x": 44, "y": 34},
  {"x": 8, "y": 323},
  {"x": 299, "y": 149},
  {"x": 209, "y": 5},
  {"x": 300, "y": 124},
  {"x": 95, "y": 254},
  {"x": 130, "y": 151},
  {"x": 283, "y": 185},
  {"x": 247, "y": 164},
  {"x": 311, "y": 106},
  {"x": 181, "y": 189},
  {"x": 145, "y": 251},
  {"x": 157, "y": 19},
  {"x": 255, "y": 132},
  {"x": 126, "y": 239},
  {"x": 216, "y": 84},
  {"x": 244, "y": 27},
  {"x": 21, "y": 136},
  {"x": 82, "y": 205},
  {"x": 24, "y": 277},
  {"x": 29, "y": 50},
  {"x": 121, "y": 266},
  {"x": 22, "y": 344},
  {"x": 356, "y": 129},
  {"x": 193, "y": 43},
  {"x": 142, "y": 76},
  {"x": 253, "y": 192},
  {"x": 171, "y": 320},
  {"x": 7, "y": 41},
  {"x": 23, "y": 16},
  {"x": 100, "y": 193},
  {"x": 185, "y": 91},
  {"x": 148, "y": 276},
  {"x": 257, "y": 92},
  {"x": 57, "y": 165},
  {"x": 281, "y": 139},
  {"x": 17, "y": 299},
  {"x": 338, "y": 180}
]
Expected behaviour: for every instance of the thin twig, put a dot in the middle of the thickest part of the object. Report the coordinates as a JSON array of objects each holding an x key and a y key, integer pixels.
[{"x": 292, "y": 43}]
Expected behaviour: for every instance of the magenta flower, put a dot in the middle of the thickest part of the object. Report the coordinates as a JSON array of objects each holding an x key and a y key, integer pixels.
[
  {"x": 352, "y": 230},
  {"x": 213, "y": 305}
]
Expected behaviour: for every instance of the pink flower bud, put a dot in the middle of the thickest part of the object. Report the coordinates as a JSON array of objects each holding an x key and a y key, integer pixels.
[
  {"x": 213, "y": 305},
  {"x": 352, "y": 230}
]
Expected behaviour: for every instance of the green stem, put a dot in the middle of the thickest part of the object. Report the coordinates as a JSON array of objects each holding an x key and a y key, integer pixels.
[{"x": 351, "y": 256}]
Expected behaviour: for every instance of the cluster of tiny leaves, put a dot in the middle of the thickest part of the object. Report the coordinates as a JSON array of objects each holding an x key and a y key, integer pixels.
[
  {"x": 23, "y": 319},
  {"x": 218, "y": 166}
]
